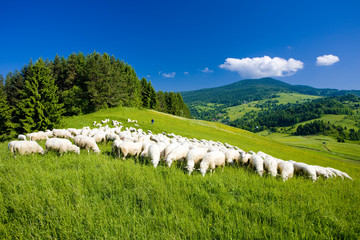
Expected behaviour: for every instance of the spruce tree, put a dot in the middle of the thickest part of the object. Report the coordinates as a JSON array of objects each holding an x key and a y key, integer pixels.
[
  {"x": 153, "y": 102},
  {"x": 39, "y": 100},
  {"x": 145, "y": 93},
  {"x": 5, "y": 113}
]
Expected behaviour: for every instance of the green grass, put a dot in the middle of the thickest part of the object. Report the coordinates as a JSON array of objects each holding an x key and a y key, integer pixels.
[
  {"x": 92, "y": 196},
  {"x": 348, "y": 150},
  {"x": 342, "y": 120},
  {"x": 284, "y": 98}
]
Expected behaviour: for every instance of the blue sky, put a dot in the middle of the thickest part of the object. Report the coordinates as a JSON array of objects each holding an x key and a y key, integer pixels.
[{"x": 186, "y": 45}]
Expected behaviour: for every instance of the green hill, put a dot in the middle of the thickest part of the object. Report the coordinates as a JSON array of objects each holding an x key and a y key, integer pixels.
[
  {"x": 101, "y": 197},
  {"x": 253, "y": 90}
]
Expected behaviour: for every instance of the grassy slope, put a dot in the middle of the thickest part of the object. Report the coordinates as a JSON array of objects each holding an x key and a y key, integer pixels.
[
  {"x": 342, "y": 120},
  {"x": 331, "y": 148},
  {"x": 90, "y": 196}
]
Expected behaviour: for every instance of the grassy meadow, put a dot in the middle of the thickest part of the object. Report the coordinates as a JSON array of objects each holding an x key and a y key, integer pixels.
[{"x": 91, "y": 196}]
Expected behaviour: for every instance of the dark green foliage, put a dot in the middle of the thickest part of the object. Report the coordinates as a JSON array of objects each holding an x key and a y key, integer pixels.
[
  {"x": 38, "y": 107},
  {"x": 5, "y": 113},
  {"x": 162, "y": 107},
  {"x": 80, "y": 84},
  {"x": 285, "y": 115}
]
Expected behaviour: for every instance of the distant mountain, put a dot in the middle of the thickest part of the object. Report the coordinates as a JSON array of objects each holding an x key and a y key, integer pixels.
[{"x": 255, "y": 89}]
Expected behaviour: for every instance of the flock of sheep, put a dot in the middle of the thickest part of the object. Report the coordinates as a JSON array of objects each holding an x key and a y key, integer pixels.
[{"x": 202, "y": 155}]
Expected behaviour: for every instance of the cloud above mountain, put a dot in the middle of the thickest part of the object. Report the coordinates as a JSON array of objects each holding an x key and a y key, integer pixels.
[
  {"x": 207, "y": 70},
  {"x": 327, "y": 60},
  {"x": 259, "y": 67},
  {"x": 168, "y": 75}
]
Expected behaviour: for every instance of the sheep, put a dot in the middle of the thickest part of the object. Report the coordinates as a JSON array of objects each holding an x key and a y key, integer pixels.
[
  {"x": 74, "y": 131},
  {"x": 25, "y": 147},
  {"x": 22, "y": 137},
  {"x": 100, "y": 137},
  {"x": 211, "y": 160},
  {"x": 62, "y": 133},
  {"x": 304, "y": 169},
  {"x": 323, "y": 172},
  {"x": 111, "y": 137},
  {"x": 116, "y": 147},
  {"x": 176, "y": 154},
  {"x": 270, "y": 165},
  {"x": 49, "y": 133},
  {"x": 257, "y": 163},
  {"x": 339, "y": 173},
  {"x": 154, "y": 154},
  {"x": 36, "y": 136},
  {"x": 130, "y": 148},
  {"x": 231, "y": 156},
  {"x": 145, "y": 149},
  {"x": 286, "y": 170},
  {"x": 194, "y": 156},
  {"x": 169, "y": 148},
  {"x": 87, "y": 143},
  {"x": 61, "y": 145}
]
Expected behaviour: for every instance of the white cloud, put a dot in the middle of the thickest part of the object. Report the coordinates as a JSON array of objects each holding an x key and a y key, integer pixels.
[
  {"x": 148, "y": 76},
  {"x": 168, "y": 75},
  {"x": 327, "y": 60},
  {"x": 207, "y": 70},
  {"x": 266, "y": 66},
  {"x": 186, "y": 73}
]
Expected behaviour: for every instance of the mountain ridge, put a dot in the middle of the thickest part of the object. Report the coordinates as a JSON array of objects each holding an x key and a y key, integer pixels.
[{"x": 255, "y": 89}]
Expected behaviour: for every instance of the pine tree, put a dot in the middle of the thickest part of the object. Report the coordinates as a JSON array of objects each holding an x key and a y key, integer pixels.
[
  {"x": 153, "y": 103},
  {"x": 161, "y": 99},
  {"x": 5, "y": 113},
  {"x": 39, "y": 100},
  {"x": 145, "y": 93}
]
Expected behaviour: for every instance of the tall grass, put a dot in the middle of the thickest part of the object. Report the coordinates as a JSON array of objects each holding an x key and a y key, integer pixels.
[{"x": 102, "y": 197}]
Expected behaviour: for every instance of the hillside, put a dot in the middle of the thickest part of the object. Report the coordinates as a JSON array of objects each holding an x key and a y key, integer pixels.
[
  {"x": 253, "y": 90},
  {"x": 99, "y": 196}
]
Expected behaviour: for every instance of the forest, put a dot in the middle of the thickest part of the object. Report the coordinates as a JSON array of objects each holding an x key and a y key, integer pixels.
[
  {"x": 285, "y": 115},
  {"x": 37, "y": 96}
]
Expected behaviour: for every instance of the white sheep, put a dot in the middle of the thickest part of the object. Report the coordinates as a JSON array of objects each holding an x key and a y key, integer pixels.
[
  {"x": 245, "y": 158},
  {"x": 22, "y": 137},
  {"x": 154, "y": 154},
  {"x": 286, "y": 170},
  {"x": 37, "y": 136},
  {"x": 87, "y": 143},
  {"x": 116, "y": 147},
  {"x": 62, "y": 133},
  {"x": 194, "y": 156},
  {"x": 169, "y": 148},
  {"x": 339, "y": 173},
  {"x": 178, "y": 153},
  {"x": 74, "y": 131},
  {"x": 304, "y": 169},
  {"x": 145, "y": 149},
  {"x": 24, "y": 147},
  {"x": 131, "y": 148},
  {"x": 232, "y": 155},
  {"x": 257, "y": 163},
  {"x": 211, "y": 160},
  {"x": 111, "y": 137},
  {"x": 61, "y": 146},
  {"x": 270, "y": 165},
  {"x": 100, "y": 137}
]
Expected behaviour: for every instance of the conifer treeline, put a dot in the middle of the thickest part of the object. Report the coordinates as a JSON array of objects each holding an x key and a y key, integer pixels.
[{"x": 35, "y": 97}]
